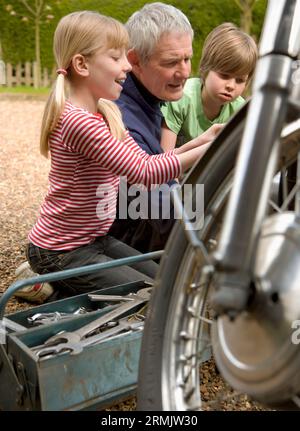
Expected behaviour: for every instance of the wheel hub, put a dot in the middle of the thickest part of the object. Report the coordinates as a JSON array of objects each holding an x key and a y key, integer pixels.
[{"x": 258, "y": 353}]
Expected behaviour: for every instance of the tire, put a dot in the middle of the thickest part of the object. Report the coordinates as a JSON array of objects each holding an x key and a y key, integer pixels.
[
  {"x": 162, "y": 383},
  {"x": 219, "y": 159}
]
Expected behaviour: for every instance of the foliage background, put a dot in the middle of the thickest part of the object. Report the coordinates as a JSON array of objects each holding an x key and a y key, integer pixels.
[{"x": 17, "y": 37}]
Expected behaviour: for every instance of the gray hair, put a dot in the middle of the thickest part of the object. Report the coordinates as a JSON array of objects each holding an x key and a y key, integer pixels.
[{"x": 146, "y": 26}]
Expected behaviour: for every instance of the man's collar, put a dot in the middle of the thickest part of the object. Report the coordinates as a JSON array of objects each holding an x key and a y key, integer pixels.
[{"x": 149, "y": 97}]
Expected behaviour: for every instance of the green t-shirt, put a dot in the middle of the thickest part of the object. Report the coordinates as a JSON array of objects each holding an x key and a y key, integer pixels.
[{"x": 186, "y": 117}]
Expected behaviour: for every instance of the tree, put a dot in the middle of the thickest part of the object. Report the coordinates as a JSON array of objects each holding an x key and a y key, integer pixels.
[
  {"x": 246, "y": 7},
  {"x": 39, "y": 12}
]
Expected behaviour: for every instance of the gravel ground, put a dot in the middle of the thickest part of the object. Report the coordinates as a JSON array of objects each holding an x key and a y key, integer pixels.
[{"x": 23, "y": 183}]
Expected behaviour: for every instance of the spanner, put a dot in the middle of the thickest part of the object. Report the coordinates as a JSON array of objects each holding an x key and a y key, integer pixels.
[
  {"x": 53, "y": 316},
  {"x": 110, "y": 298},
  {"x": 69, "y": 341},
  {"x": 123, "y": 325}
]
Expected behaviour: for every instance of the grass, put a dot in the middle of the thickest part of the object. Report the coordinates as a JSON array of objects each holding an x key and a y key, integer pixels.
[{"x": 24, "y": 90}]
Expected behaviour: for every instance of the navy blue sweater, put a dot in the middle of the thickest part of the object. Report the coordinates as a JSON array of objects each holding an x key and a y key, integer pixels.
[
  {"x": 141, "y": 114},
  {"x": 143, "y": 118}
]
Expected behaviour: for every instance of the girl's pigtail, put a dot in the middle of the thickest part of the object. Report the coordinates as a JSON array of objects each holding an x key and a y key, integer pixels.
[
  {"x": 53, "y": 110},
  {"x": 113, "y": 116}
]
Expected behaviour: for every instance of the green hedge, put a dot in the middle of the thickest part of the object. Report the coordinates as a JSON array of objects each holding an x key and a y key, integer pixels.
[{"x": 17, "y": 37}]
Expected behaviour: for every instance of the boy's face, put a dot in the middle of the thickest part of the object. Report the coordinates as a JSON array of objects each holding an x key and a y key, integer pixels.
[{"x": 222, "y": 88}]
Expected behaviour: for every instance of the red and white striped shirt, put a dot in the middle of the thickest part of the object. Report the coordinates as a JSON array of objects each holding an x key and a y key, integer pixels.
[{"x": 85, "y": 161}]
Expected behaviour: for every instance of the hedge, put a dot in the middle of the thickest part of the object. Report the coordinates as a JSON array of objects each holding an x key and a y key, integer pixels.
[{"x": 17, "y": 37}]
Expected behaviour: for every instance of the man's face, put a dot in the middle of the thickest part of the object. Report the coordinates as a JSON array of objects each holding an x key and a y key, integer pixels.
[{"x": 168, "y": 68}]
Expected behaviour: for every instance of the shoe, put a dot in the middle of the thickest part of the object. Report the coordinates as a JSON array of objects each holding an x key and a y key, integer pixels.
[{"x": 39, "y": 292}]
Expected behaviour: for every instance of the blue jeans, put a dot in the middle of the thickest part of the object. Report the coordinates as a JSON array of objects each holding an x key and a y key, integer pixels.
[{"x": 103, "y": 249}]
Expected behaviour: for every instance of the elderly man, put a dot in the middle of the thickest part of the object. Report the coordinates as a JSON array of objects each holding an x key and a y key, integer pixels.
[{"x": 160, "y": 54}]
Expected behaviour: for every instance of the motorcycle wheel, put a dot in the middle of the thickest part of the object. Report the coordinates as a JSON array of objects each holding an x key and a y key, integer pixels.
[{"x": 176, "y": 341}]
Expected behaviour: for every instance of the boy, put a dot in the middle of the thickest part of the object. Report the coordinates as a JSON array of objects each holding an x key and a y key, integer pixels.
[{"x": 227, "y": 64}]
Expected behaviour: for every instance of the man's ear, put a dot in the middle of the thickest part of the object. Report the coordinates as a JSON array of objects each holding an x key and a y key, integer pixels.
[
  {"x": 80, "y": 65},
  {"x": 135, "y": 61}
]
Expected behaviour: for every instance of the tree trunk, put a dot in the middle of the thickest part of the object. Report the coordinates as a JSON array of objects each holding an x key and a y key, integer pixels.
[
  {"x": 38, "y": 52},
  {"x": 246, "y": 7},
  {"x": 246, "y": 19}
]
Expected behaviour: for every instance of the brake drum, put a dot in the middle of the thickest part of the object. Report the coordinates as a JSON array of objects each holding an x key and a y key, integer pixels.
[{"x": 258, "y": 353}]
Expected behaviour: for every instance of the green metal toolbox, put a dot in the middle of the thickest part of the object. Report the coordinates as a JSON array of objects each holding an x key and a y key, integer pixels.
[{"x": 98, "y": 376}]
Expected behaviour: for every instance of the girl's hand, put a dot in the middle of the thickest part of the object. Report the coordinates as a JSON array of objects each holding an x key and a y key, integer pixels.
[
  {"x": 193, "y": 150},
  {"x": 210, "y": 134}
]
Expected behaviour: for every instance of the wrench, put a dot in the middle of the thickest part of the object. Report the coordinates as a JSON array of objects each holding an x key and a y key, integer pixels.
[
  {"x": 53, "y": 316},
  {"x": 110, "y": 298},
  {"x": 69, "y": 341},
  {"x": 123, "y": 325}
]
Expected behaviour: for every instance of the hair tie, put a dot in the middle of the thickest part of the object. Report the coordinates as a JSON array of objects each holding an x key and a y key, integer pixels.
[{"x": 62, "y": 71}]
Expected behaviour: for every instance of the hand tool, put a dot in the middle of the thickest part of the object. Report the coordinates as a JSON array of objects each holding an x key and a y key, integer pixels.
[
  {"x": 119, "y": 327},
  {"x": 69, "y": 341},
  {"x": 54, "y": 316},
  {"x": 110, "y": 298}
]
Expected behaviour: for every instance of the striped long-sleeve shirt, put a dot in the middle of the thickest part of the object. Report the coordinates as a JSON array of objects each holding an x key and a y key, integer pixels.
[{"x": 86, "y": 164}]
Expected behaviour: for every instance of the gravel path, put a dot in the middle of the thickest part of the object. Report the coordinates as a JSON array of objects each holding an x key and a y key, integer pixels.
[{"x": 23, "y": 183}]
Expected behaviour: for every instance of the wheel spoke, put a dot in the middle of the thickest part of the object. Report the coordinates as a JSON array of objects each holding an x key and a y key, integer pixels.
[
  {"x": 275, "y": 206},
  {"x": 291, "y": 196},
  {"x": 283, "y": 174},
  {"x": 297, "y": 198}
]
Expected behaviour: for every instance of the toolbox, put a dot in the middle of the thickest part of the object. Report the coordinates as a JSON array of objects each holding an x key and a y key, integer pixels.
[{"x": 100, "y": 375}]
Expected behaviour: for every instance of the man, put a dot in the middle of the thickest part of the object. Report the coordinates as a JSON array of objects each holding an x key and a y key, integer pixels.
[{"x": 160, "y": 54}]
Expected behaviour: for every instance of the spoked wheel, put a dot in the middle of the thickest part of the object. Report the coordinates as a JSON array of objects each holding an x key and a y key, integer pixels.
[{"x": 177, "y": 343}]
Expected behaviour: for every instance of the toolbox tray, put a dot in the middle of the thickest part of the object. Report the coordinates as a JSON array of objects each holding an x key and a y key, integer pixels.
[{"x": 102, "y": 374}]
